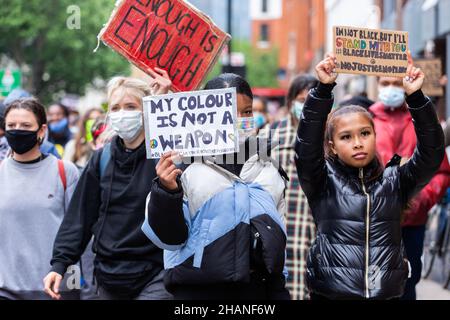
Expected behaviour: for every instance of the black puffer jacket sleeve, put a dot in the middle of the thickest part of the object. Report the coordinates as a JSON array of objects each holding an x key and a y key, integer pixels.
[
  {"x": 165, "y": 225},
  {"x": 429, "y": 153},
  {"x": 309, "y": 153}
]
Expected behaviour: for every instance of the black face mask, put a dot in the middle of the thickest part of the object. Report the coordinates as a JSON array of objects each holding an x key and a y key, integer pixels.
[{"x": 21, "y": 141}]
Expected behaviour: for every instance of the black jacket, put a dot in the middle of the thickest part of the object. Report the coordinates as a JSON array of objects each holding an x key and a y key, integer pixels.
[
  {"x": 358, "y": 252},
  {"x": 112, "y": 209}
]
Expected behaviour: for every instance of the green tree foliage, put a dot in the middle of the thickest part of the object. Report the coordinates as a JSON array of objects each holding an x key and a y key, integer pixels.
[
  {"x": 44, "y": 38},
  {"x": 262, "y": 65}
]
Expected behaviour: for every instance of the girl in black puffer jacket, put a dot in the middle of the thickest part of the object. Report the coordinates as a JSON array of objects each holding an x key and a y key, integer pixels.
[{"x": 356, "y": 203}]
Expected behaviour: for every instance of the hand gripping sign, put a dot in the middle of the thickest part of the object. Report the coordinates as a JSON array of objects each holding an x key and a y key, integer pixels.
[
  {"x": 170, "y": 34},
  {"x": 197, "y": 123},
  {"x": 370, "y": 51}
]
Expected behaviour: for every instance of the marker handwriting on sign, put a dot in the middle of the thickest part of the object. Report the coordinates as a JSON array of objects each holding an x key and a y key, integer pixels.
[
  {"x": 370, "y": 52},
  {"x": 196, "y": 123},
  {"x": 169, "y": 34},
  {"x": 192, "y": 103},
  {"x": 193, "y": 140}
]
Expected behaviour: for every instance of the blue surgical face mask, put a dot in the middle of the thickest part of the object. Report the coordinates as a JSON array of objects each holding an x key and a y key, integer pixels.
[
  {"x": 297, "y": 109},
  {"x": 260, "y": 120},
  {"x": 246, "y": 128},
  {"x": 392, "y": 97},
  {"x": 59, "y": 126}
]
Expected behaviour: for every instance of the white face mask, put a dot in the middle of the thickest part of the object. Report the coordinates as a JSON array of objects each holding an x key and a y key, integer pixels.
[
  {"x": 127, "y": 124},
  {"x": 392, "y": 97},
  {"x": 297, "y": 109},
  {"x": 246, "y": 128}
]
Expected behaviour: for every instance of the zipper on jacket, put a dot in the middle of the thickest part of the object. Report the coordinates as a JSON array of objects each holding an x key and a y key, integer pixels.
[
  {"x": 366, "y": 276},
  {"x": 255, "y": 242}
]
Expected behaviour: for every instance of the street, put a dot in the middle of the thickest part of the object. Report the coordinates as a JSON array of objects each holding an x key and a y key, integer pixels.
[
  {"x": 431, "y": 290},
  {"x": 432, "y": 287}
]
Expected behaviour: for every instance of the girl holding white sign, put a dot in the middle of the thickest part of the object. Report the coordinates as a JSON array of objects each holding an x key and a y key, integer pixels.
[
  {"x": 221, "y": 223},
  {"x": 108, "y": 204}
]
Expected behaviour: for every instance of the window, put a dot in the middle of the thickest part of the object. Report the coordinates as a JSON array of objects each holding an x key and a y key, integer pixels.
[
  {"x": 264, "y": 34},
  {"x": 264, "y": 6},
  {"x": 266, "y": 9}
]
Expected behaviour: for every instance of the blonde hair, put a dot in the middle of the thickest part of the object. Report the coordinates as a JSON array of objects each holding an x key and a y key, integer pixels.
[{"x": 135, "y": 87}]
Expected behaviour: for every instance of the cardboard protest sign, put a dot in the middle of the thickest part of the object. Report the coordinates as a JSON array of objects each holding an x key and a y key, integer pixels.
[
  {"x": 433, "y": 73},
  {"x": 370, "y": 52},
  {"x": 170, "y": 34},
  {"x": 197, "y": 123}
]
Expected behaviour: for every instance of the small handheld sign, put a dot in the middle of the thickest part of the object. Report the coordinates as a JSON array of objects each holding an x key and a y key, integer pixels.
[
  {"x": 196, "y": 123},
  {"x": 370, "y": 51}
]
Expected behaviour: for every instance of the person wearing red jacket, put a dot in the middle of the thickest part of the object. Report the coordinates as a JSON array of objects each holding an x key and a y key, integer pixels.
[{"x": 396, "y": 136}]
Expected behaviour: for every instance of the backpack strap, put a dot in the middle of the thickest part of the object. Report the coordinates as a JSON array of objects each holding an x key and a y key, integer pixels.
[
  {"x": 104, "y": 158},
  {"x": 62, "y": 173}
]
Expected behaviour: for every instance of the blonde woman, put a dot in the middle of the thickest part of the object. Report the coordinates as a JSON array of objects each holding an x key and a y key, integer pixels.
[{"x": 109, "y": 202}]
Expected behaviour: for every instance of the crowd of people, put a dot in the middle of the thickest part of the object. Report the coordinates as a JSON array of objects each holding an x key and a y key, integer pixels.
[{"x": 332, "y": 205}]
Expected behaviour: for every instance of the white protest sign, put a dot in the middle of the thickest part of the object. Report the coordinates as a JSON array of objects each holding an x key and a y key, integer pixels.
[{"x": 195, "y": 123}]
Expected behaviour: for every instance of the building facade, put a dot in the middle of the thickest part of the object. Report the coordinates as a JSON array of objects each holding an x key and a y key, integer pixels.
[
  {"x": 363, "y": 14},
  {"x": 294, "y": 27},
  {"x": 428, "y": 25},
  {"x": 217, "y": 11}
]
